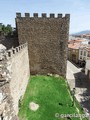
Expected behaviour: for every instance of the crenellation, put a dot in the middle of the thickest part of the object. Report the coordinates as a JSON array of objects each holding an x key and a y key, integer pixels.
[
  {"x": 14, "y": 51},
  {"x": 27, "y": 14},
  {"x": 67, "y": 16},
  {"x": 52, "y": 15},
  {"x": 44, "y": 15},
  {"x": 59, "y": 15},
  {"x": 17, "y": 49},
  {"x": 9, "y": 53},
  {"x": 11, "y": 75},
  {"x": 21, "y": 47},
  {"x": 18, "y": 15},
  {"x": 35, "y": 15}
]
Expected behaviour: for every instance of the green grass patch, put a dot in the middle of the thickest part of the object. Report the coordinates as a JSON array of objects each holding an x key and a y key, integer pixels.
[{"x": 48, "y": 92}]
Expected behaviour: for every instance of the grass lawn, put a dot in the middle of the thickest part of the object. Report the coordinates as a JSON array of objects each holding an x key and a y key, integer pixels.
[{"x": 48, "y": 92}]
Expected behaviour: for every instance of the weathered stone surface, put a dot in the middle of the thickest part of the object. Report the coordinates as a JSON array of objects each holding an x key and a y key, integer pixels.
[
  {"x": 19, "y": 75},
  {"x": 2, "y": 47},
  {"x": 47, "y": 39},
  {"x": 13, "y": 81},
  {"x": 2, "y": 52},
  {"x": 1, "y": 97}
]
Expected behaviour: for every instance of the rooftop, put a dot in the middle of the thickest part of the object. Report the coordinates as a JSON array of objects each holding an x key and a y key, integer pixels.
[{"x": 74, "y": 46}]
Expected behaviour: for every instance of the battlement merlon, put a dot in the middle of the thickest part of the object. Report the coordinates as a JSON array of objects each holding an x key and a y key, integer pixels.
[
  {"x": 18, "y": 15},
  {"x": 43, "y": 15},
  {"x": 27, "y": 15},
  {"x": 16, "y": 50},
  {"x": 52, "y": 15},
  {"x": 67, "y": 16}
]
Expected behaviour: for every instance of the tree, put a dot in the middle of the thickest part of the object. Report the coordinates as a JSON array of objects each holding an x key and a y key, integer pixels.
[
  {"x": 6, "y": 29},
  {"x": 9, "y": 28},
  {"x": 1, "y": 26}
]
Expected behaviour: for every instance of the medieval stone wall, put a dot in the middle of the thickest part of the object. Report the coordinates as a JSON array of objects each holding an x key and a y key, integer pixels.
[
  {"x": 14, "y": 75},
  {"x": 47, "y": 38},
  {"x": 19, "y": 65},
  {"x": 9, "y": 41}
]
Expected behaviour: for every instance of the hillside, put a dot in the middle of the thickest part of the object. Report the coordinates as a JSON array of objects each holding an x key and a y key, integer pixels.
[{"x": 82, "y": 32}]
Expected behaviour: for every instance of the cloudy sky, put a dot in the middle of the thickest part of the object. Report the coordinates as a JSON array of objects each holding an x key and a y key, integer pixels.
[{"x": 78, "y": 9}]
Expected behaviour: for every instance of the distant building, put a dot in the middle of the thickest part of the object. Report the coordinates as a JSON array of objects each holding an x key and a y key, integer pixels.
[
  {"x": 87, "y": 36},
  {"x": 71, "y": 37},
  {"x": 78, "y": 51},
  {"x": 84, "y": 54},
  {"x": 73, "y": 49},
  {"x": 73, "y": 52}
]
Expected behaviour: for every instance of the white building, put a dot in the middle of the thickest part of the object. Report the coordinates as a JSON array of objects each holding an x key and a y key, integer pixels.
[
  {"x": 87, "y": 36},
  {"x": 87, "y": 68},
  {"x": 84, "y": 53}
]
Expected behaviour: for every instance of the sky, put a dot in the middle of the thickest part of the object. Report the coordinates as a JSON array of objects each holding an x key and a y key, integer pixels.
[{"x": 79, "y": 11}]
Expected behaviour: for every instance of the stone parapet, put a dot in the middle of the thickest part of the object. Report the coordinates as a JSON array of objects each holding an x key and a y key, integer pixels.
[
  {"x": 43, "y": 15},
  {"x": 14, "y": 75}
]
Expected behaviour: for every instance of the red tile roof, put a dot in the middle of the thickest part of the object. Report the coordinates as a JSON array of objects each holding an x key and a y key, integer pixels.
[
  {"x": 76, "y": 41},
  {"x": 74, "y": 46},
  {"x": 77, "y": 44}
]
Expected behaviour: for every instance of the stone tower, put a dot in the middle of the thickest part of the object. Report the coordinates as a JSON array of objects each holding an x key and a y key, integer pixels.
[{"x": 47, "y": 39}]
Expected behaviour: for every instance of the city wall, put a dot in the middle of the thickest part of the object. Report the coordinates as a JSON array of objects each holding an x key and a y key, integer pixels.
[
  {"x": 14, "y": 76},
  {"x": 47, "y": 49}
]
